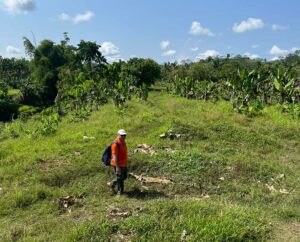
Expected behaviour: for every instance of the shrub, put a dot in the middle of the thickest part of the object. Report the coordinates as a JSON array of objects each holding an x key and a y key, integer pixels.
[
  {"x": 81, "y": 115},
  {"x": 13, "y": 129},
  {"x": 25, "y": 110}
]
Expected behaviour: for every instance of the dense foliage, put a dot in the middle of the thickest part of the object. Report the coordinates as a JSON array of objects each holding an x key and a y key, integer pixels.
[
  {"x": 67, "y": 77},
  {"x": 248, "y": 84}
]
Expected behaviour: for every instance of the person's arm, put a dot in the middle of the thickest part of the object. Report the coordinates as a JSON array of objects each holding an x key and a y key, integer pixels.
[
  {"x": 115, "y": 158},
  {"x": 118, "y": 169}
]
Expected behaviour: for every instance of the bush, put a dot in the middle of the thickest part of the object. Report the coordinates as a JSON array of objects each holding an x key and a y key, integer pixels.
[
  {"x": 8, "y": 109},
  {"x": 81, "y": 115},
  {"x": 293, "y": 109},
  {"x": 48, "y": 125},
  {"x": 13, "y": 129},
  {"x": 25, "y": 110},
  {"x": 15, "y": 94}
]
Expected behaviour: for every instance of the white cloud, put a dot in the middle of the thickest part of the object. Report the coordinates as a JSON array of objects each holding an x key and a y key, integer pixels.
[
  {"x": 87, "y": 16},
  {"x": 197, "y": 29},
  {"x": 252, "y": 56},
  {"x": 247, "y": 25},
  {"x": 276, "y": 27},
  {"x": 275, "y": 58},
  {"x": 208, "y": 53},
  {"x": 254, "y": 46},
  {"x": 110, "y": 51},
  {"x": 294, "y": 49},
  {"x": 275, "y": 50},
  {"x": 278, "y": 53},
  {"x": 108, "y": 48},
  {"x": 164, "y": 44},
  {"x": 64, "y": 17},
  {"x": 18, "y": 6},
  {"x": 81, "y": 17},
  {"x": 11, "y": 50},
  {"x": 194, "y": 49},
  {"x": 183, "y": 60},
  {"x": 169, "y": 53},
  {"x": 113, "y": 58}
]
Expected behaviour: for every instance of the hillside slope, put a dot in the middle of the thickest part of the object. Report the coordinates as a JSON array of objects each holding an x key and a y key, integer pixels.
[{"x": 233, "y": 178}]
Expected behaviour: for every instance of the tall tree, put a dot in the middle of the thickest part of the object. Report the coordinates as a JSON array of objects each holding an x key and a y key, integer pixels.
[
  {"x": 90, "y": 59},
  {"x": 46, "y": 60},
  {"x": 146, "y": 71}
]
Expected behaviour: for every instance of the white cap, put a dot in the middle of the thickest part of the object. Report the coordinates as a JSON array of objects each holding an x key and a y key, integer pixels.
[{"x": 122, "y": 132}]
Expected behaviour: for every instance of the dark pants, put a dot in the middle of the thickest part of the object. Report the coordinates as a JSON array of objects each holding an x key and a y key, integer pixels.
[{"x": 119, "y": 180}]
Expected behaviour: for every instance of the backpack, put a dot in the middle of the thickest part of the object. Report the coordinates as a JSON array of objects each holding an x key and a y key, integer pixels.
[{"x": 106, "y": 156}]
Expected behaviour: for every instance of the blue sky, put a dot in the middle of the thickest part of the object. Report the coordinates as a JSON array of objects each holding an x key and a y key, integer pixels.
[{"x": 165, "y": 30}]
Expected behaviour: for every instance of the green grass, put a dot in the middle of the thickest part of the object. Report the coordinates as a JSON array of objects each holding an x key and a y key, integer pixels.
[{"x": 224, "y": 155}]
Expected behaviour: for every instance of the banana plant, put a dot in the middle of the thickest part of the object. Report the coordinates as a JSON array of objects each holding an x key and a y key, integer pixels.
[
  {"x": 176, "y": 86},
  {"x": 284, "y": 83},
  {"x": 88, "y": 93},
  {"x": 187, "y": 85},
  {"x": 204, "y": 89},
  {"x": 245, "y": 91},
  {"x": 118, "y": 92}
]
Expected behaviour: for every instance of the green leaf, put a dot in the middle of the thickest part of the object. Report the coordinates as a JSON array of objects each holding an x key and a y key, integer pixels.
[
  {"x": 120, "y": 85},
  {"x": 277, "y": 85},
  {"x": 291, "y": 82}
]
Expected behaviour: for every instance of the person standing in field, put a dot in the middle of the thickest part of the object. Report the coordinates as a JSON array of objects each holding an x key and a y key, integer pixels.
[{"x": 119, "y": 161}]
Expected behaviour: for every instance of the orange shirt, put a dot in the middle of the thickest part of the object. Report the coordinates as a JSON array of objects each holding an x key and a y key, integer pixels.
[{"x": 121, "y": 152}]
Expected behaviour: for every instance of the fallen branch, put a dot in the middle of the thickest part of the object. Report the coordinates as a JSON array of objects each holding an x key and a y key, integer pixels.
[
  {"x": 145, "y": 179},
  {"x": 144, "y": 148}
]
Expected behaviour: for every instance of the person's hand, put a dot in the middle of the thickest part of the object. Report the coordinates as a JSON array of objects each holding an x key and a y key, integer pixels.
[{"x": 118, "y": 170}]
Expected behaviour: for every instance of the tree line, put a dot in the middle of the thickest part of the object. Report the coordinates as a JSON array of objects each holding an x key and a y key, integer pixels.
[
  {"x": 67, "y": 77},
  {"x": 248, "y": 84}
]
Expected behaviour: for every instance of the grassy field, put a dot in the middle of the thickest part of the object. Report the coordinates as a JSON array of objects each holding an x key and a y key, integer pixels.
[{"x": 233, "y": 178}]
